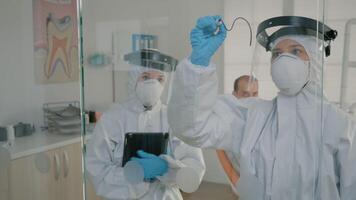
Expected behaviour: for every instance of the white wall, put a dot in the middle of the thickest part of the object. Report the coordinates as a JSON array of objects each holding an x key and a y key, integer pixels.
[
  {"x": 151, "y": 16},
  {"x": 337, "y": 13},
  {"x": 21, "y": 98}
]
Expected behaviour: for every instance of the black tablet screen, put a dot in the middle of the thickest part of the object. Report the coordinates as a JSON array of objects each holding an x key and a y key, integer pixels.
[{"x": 154, "y": 143}]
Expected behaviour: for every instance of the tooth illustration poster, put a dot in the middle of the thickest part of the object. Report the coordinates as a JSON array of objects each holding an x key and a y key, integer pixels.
[{"x": 55, "y": 41}]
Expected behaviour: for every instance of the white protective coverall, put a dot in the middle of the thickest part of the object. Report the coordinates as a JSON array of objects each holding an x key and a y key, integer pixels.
[
  {"x": 285, "y": 147},
  {"x": 105, "y": 151}
]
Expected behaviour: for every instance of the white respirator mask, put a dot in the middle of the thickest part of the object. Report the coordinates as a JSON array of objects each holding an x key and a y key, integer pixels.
[
  {"x": 290, "y": 73},
  {"x": 149, "y": 91}
]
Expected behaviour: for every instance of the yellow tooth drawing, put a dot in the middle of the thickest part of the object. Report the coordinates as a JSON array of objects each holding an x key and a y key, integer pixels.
[{"x": 59, "y": 38}]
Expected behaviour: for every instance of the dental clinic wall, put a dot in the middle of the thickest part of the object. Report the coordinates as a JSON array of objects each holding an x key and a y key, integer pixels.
[
  {"x": 21, "y": 98},
  {"x": 238, "y": 56},
  {"x": 337, "y": 13},
  {"x": 170, "y": 20}
]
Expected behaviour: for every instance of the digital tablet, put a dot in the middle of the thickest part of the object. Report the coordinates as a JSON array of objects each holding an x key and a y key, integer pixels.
[{"x": 154, "y": 143}]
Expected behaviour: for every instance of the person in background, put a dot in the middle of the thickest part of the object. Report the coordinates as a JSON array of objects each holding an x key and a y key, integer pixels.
[
  {"x": 244, "y": 86},
  {"x": 142, "y": 112}
]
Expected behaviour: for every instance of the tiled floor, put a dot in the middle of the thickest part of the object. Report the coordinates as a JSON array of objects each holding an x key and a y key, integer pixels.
[{"x": 212, "y": 191}]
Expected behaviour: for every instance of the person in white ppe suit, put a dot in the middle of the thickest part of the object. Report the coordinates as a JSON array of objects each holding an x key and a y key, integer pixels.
[
  {"x": 286, "y": 148},
  {"x": 142, "y": 112}
]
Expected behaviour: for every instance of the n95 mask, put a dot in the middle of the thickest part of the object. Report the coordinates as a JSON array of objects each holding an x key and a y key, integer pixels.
[
  {"x": 289, "y": 73},
  {"x": 149, "y": 91}
]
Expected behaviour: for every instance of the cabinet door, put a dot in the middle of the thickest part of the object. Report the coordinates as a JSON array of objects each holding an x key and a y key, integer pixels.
[
  {"x": 71, "y": 183},
  {"x": 63, "y": 180},
  {"x": 28, "y": 182},
  {"x": 71, "y": 180},
  {"x": 20, "y": 173}
]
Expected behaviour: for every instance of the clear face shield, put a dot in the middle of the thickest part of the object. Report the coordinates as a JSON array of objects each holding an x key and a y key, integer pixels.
[
  {"x": 150, "y": 76},
  {"x": 144, "y": 75}
]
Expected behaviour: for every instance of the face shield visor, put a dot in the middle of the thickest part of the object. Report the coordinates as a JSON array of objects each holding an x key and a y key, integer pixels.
[{"x": 147, "y": 73}]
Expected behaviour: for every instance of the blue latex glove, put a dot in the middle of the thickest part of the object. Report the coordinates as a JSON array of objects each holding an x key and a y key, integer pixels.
[
  {"x": 152, "y": 165},
  {"x": 204, "y": 42}
]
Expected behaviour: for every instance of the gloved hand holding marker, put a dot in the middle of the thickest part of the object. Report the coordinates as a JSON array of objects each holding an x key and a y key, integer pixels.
[
  {"x": 207, "y": 36},
  {"x": 204, "y": 41}
]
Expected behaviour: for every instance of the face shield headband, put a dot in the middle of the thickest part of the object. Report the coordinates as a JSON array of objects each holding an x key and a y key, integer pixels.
[
  {"x": 294, "y": 25},
  {"x": 152, "y": 58}
]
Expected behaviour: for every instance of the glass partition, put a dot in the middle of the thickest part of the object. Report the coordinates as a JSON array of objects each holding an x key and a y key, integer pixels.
[{"x": 85, "y": 84}]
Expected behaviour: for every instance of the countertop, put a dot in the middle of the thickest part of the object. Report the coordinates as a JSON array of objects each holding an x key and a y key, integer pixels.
[{"x": 40, "y": 141}]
